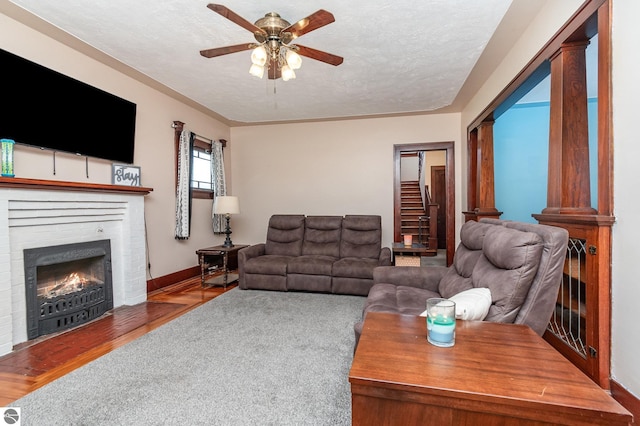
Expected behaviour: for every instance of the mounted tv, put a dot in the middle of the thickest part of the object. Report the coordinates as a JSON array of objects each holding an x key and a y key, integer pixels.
[{"x": 46, "y": 109}]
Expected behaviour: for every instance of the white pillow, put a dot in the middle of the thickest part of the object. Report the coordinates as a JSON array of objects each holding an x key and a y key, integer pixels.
[{"x": 473, "y": 304}]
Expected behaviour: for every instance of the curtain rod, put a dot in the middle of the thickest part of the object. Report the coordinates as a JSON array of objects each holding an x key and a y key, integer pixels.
[
  {"x": 202, "y": 137},
  {"x": 179, "y": 126}
]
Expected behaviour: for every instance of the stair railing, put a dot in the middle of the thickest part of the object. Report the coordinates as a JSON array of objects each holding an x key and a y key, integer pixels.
[{"x": 422, "y": 180}]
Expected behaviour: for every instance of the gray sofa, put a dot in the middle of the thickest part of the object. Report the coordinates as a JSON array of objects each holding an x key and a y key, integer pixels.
[
  {"x": 520, "y": 263},
  {"x": 332, "y": 254}
]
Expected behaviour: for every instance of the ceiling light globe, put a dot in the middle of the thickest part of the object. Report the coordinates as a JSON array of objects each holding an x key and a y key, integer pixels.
[
  {"x": 293, "y": 60},
  {"x": 259, "y": 56},
  {"x": 287, "y": 73},
  {"x": 256, "y": 70}
]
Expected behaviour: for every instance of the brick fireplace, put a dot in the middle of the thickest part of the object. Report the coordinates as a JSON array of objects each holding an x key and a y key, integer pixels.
[{"x": 38, "y": 215}]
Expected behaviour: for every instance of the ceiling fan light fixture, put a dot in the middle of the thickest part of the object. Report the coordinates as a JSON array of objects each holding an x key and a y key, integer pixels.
[
  {"x": 293, "y": 59},
  {"x": 273, "y": 50},
  {"x": 256, "y": 70},
  {"x": 259, "y": 56},
  {"x": 287, "y": 73}
]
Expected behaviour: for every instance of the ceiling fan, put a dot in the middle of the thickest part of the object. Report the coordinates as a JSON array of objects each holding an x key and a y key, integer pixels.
[{"x": 273, "y": 50}]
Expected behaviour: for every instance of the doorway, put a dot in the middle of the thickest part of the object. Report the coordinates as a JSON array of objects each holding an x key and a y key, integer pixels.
[{"x": 449, "y": 191}]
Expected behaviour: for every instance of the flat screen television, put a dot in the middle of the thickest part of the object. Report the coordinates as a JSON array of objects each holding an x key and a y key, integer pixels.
[{"x": 46, "y": 109}]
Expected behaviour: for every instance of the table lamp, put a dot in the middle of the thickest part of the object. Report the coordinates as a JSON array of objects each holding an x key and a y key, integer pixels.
[{"x": 226, "y": 205}]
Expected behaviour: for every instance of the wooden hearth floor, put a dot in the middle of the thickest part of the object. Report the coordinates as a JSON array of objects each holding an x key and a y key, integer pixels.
[{"x": 40, "y": 361}]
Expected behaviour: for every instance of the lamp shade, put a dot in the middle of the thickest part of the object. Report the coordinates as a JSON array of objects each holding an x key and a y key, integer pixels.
[
  {"x": 226, "y": 205},
  {"x": 293, "y": 60},
  {"x": 259, "y": 56},
  {"x": 256, "y": 70},
  {"x": 287, "y": 73}
]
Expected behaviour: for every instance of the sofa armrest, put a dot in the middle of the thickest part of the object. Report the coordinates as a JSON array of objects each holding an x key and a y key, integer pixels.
[
  {"x": 385, "y": 257},
  {"x": 420, "y": 277},
  {"x": 243, "y": 256},
  {"x": 251, "y": 251}
]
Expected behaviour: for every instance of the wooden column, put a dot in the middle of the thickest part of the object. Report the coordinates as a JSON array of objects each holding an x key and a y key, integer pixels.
[
  {"x": 568, "y": 190},
  {"x": 485, "y": 198},
  {"x": 586, "y": 289},
  {"x": 472, "y": 165}
]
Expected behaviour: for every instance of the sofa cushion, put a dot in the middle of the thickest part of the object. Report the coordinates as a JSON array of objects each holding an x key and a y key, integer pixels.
[
  {"x": 311, "y": 265},
  {"x": 458, "y": 277},
  {"x": 361, "y": 236},
  {"x": 268, "y": 264},
  {"x": 472, "y": 304},
  {"x": 397, "y": 299},
  {"x": 507, "y": 267},
  {"x": 284, "y": 235},
  {"x": 541, "y": 298},
  {"x": 472, "y": 234},
  {"x": 352, "y": 267},
  {"x": 322, "y": 236}
]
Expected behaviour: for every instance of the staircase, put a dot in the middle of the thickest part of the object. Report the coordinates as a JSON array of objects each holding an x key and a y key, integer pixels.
[{"x": 411, "y": 208}]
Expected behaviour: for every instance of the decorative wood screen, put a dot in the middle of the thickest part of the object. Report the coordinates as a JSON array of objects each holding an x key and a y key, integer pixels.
[{"x": 568, "y": 322}]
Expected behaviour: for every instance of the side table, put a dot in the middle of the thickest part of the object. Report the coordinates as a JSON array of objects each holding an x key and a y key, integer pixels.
[
  {"x": 415, "y": 249},
  {"x": 215, "y": 255},
  {"x": 495, "y": 374}
]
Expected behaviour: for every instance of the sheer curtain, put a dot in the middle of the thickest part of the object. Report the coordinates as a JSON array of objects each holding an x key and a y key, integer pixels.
[
  {"x": 219, "y": 184},
  {"x": 183, "y": 190}
]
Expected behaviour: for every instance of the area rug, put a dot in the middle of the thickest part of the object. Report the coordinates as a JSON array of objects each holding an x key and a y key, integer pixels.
[{"x": 247, "y": 357}]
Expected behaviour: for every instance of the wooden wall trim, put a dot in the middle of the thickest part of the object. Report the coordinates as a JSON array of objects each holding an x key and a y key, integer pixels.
[
  {"x": 449, "y": 183},
  {"x": 626, "y": 399},
  {"x": 155, "y": 284},
  {"x": 472, "y": 171},
  {"x": 58, "y": 185},
  {"x": 605, "y": 133}
]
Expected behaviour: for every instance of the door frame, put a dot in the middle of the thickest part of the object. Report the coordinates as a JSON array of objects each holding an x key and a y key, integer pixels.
[
  {"x": 398, "y": 150},
  {"x": 434, "y": 174}
]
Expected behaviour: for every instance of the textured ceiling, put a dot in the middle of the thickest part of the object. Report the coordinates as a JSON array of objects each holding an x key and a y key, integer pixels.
[{"x": 400, "y": 56}]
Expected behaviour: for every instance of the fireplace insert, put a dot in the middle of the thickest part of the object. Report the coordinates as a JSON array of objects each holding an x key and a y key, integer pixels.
[{"x": 67, "y": 285}]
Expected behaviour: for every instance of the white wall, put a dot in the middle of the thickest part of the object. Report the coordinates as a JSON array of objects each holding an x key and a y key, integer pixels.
[
  {"x": 432, "y": 159},
  {"x": 409, "y": 168},
  {"x": 154, "y": 151},
  {"x": 626, "y": 231},
  {"x": 326, "y": 168}
]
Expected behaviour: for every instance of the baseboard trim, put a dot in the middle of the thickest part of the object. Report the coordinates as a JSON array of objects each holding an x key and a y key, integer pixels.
[
  {"x": 170, "y": 279},
  {"x": 626, "y": 399}
]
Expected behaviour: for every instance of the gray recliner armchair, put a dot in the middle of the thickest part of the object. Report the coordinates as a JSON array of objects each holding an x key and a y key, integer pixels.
[{"x": 520, "y": 263}]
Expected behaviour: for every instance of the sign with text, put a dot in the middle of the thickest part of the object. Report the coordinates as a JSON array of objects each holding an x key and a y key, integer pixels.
[{"x": 124, "y": 174}]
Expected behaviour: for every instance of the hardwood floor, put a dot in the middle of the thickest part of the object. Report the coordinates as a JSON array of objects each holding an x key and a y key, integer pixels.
[{"x": 35, "y": 363}]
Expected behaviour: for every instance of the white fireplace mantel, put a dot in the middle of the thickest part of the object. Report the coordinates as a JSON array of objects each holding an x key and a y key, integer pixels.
[{"x": 39, "y": 213}]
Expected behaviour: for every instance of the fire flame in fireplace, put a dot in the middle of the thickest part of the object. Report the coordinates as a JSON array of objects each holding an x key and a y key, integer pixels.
[{"x": 69, "y": 284}]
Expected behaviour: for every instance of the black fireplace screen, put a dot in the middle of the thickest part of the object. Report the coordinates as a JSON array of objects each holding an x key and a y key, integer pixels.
[{"x": 67, "y": 285}]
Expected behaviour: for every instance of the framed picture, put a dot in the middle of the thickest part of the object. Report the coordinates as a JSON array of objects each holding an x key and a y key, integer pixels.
[{"x": 124, "y": 174}]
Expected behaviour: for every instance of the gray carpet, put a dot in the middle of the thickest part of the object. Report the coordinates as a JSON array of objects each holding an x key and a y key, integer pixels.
[{"x": 247, "y": 357}]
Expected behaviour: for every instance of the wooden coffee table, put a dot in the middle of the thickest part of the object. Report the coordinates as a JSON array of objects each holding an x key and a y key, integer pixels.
[{"x": 495, "y": 374}]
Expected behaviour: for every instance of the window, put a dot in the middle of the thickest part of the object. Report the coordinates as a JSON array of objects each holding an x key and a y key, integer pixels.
[
  {"x": 201, "y": 183},
  {"x": 201, "y": 178}
]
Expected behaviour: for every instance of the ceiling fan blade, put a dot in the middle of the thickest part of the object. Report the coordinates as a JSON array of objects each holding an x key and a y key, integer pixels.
[
  {"x": 219, "y": 51},
  {"x": 310, "y": 23},
  {"x": 319, "y": 55},
  {"x": 235, "y": 18},
  {"x": 274, "y": 72}
]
